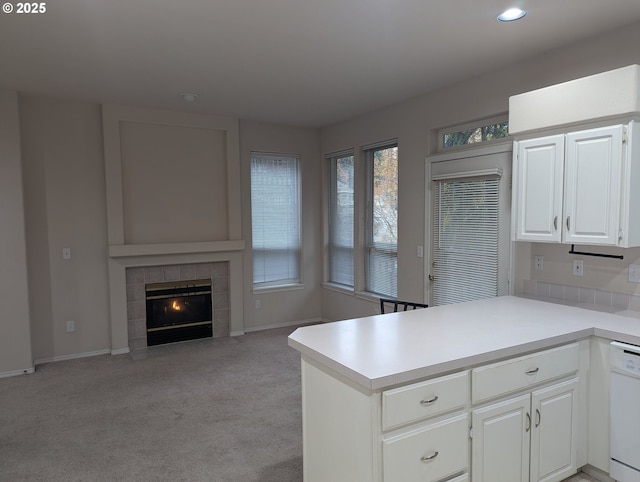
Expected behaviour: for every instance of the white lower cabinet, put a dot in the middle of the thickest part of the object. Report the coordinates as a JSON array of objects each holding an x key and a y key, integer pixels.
[
  {"x": 428, "y": 454},
  {"x": 531, "y": 437},
  {"x": 522, "y": 411}
]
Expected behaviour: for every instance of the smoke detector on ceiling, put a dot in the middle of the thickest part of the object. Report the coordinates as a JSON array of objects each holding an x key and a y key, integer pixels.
[{"x": 188, "y": 96}]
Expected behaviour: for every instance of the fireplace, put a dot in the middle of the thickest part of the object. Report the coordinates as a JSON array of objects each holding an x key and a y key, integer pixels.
[{"x": 178, "y": 311}]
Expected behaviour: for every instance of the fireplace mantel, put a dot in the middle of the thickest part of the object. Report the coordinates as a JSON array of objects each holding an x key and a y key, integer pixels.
[{"x": 131, "y": 250}]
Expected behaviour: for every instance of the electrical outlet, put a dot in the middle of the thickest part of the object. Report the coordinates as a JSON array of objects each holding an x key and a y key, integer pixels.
[
  {"x": 66, "y": 253},
  {"x": 578, "y": 267},
  {"x": 539, "y": 263},
  {"x": 71, "y": 326},
  {"x": 258, "y": 304},
  {"x": 634, "y": 273}
]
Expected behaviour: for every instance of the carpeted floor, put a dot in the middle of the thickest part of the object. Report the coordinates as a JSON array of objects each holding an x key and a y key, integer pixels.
[{"x": 221, "y": 410}]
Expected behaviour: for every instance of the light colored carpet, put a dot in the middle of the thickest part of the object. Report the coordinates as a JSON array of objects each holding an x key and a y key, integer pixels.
[{"x": 221, "y": 410}]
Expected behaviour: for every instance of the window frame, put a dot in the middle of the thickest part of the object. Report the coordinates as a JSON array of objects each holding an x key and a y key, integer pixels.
[
  {"x": 487, "y": 121},
  {"x": 369, "y": 245},
  {"x": 332, "y": 219},
  {"x": 281, "y": 283}
]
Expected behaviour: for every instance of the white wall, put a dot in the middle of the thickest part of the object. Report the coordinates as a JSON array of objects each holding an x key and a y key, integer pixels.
[
  {"x": 415, "y": 123},
  {"x": 15, "y": 342}
]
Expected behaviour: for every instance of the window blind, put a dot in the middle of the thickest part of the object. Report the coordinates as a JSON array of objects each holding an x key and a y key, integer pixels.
[
  {"x": 381, "y": 258},
  {"x": 275, "y": 219},
  {"x": 465, "y": 245},
  {"x": 341, "y": 220}
]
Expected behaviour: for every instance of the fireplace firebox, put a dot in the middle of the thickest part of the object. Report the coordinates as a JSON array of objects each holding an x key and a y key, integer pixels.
[{"x": 178, "y": 311}]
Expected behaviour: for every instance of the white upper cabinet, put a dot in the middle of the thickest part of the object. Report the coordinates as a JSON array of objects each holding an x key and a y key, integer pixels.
[
  {"x": 538, "y": 174},
  {"x": 578, "y": 188},
  {"x": 592, "y": 194}
]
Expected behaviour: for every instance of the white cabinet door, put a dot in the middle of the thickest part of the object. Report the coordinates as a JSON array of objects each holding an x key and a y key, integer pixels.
[
  {"x": 539, "y": 168},
  {"x": 501, "y": 440},
  {"x": 553, "y": 437},
  {"x": 593, "y": 186}
]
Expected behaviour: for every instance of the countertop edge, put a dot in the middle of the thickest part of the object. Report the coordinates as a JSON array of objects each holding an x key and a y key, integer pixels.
[{"x": 465, "y": 363}]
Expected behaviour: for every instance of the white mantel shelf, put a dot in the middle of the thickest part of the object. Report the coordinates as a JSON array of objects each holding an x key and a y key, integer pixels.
[
  {"x": 131, "y": 250},
  {"x": 382, "y": 351}
]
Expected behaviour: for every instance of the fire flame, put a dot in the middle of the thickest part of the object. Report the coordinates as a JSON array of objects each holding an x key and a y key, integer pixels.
[{"x": 175, "y": 306}]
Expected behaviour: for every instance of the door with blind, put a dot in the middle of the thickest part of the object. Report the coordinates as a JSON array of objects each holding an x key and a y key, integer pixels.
[{"x": 469, "y": 224}]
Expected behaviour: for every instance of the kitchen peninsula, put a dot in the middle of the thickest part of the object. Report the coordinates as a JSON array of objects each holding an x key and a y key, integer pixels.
[{"x": 394, "y": 397}]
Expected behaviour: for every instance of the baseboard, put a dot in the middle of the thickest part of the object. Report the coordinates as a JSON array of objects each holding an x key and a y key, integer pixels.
[
  {"x": 72, "y": 357},
  {"x": 120, "y": 351},
  {"x": 282, "y": 325},
  {"x": 596, "y": 473},
  {"x": 15, "y": 373}
]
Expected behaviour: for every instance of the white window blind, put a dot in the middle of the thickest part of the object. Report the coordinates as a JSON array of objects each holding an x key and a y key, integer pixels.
[
  {"x": 275, "y": 219},
  {"x": 465, "y": 251},
  {"x": 341, "y": 220},
  {"x": 381, "y": 259}
]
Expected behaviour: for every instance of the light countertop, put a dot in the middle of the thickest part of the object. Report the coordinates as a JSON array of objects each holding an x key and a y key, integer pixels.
[{"x": 381, "y": 351}]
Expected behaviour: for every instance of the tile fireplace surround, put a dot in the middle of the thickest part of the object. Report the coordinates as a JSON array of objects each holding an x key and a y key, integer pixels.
[
  {"x": 138, "y": 277},
  {"x": 130, "y": 267}
]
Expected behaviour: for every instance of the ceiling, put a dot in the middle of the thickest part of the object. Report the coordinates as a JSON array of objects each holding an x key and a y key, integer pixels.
[{"x": 297, "y": 62}]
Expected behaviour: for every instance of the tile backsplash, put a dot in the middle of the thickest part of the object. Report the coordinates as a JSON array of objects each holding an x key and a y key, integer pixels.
[{"x": 600, "y": 299}]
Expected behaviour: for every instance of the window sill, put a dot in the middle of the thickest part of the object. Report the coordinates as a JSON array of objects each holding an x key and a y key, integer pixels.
[
  {"x": 366, "y": 295},
  {"x": 278, "y": 288},
  {"x": 338, "y": 288}
]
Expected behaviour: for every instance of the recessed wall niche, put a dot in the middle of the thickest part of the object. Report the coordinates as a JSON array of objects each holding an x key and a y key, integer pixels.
[{"x": 174, "y": 183}]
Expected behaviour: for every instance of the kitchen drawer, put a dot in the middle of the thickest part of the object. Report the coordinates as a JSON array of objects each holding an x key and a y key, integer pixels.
[
  {"x": 493, "y": 380},
  {"x": 420, "y": 400},
  {"x": 429, "y": 454}
]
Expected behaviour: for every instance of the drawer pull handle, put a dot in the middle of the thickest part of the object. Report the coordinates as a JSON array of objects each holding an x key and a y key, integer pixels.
[
  {"x": 429, "y": 458},
  {"x": 531, "y": 372},
  {"x": 429, "y": 402}
]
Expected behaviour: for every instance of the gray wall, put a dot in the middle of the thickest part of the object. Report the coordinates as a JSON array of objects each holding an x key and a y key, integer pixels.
[{"x": 15, "y": 343}]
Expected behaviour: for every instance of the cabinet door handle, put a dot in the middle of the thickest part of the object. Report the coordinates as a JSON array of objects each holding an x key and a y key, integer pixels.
[
  {"x": 429, "y": 402},
  {"x": 568, "y": 223},
  {"x": 555, "y": 223},
  {"x": 538, "y": 418},
  {"x": 532, "y": 371},
  {"x": 528, "y": 426},
  {"x": 429, "y": 458}
]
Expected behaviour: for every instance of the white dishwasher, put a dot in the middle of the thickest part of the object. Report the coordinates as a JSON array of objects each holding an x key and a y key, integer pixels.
[{"x": 625, "y": 412}]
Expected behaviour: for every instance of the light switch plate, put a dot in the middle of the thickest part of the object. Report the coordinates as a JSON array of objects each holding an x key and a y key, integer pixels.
[{"x": 634, "y": 273}]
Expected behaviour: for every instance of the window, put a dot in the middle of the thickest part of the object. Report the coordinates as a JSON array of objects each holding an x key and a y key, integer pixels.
[
  {"x": 474, "y": 133},
  {"x": 275, "y": 219},
  {"x": 466, "y": 238},
  {"x": 381, "y": 258},
  {"x": 341, "y": 203}
]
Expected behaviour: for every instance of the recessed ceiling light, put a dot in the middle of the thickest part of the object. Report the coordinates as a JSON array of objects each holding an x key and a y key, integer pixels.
[
  {"x": 511, "y": 14},
  {"x": 188, "y": 96}
]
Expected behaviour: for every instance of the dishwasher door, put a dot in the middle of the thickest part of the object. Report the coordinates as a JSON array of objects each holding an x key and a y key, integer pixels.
[{"x": 625, "y": 412}]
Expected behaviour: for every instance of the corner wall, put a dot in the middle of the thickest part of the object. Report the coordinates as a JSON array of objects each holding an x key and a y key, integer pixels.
[
  {"x": 15, "y": 333},
  {"x": 65, "y": 207},
  {"x": 290, "y": 306}
]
